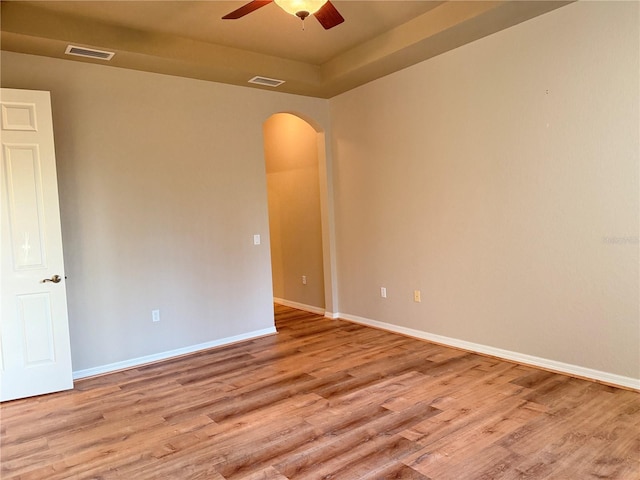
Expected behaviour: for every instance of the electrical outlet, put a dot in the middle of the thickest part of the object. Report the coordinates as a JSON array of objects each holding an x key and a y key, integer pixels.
[
  {"x": 383, "y": 292},
  {"x": 155, "y": 315},
  {"x": 416, "y": 296},
  {"x": 304, "y": 279}
]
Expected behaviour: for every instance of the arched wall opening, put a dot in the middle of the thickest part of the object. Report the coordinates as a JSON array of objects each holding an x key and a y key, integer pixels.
[{"x": 299, "y": 213}]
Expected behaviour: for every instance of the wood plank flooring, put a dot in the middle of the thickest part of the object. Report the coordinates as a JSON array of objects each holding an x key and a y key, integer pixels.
[{"x": 325, "y": 399}]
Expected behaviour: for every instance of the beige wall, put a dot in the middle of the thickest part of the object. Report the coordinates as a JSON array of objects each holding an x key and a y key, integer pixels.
[
  {"x": 293, "y": 188},
  {"x": 162, "y": 185},
  {"x": 501, "y": 179}
]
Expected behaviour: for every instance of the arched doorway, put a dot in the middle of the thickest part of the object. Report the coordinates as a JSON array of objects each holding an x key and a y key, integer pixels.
[{"x": 299, "y": 219}]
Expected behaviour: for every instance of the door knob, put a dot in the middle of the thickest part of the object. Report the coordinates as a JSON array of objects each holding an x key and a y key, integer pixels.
[{"x": 54, "y": 279}]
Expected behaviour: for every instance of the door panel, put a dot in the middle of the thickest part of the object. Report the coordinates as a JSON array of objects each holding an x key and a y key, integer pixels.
[
  {"x": 34, "y": 332},
  {"x": 36, "y": 325},
  {"x": 24, "y": 190},
  {"x": 18, "y": 116}
]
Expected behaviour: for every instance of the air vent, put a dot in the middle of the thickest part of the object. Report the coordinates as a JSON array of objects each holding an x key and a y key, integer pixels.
[
  {"x": 89, "y": 52},
  {"x": 267, "y": 82}
]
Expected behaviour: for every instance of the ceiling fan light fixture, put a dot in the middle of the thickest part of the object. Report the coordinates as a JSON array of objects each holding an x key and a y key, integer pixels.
[{"x": 300, "y": 8}]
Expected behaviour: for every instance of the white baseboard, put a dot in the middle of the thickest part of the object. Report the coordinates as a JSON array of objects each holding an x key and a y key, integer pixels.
[
  {"x": 136, "y": 362},
  {"x": 299, "y": 306},
  {"x": 552, "y": 365}
]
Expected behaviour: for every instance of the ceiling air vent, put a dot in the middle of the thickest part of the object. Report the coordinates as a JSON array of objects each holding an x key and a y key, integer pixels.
[
  {"x": 267, "y": 82},
  {"x": 89, "y": 52}
]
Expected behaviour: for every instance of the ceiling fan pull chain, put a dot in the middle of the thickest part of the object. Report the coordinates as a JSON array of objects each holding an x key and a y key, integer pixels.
[{"x": 302, "y": 15}]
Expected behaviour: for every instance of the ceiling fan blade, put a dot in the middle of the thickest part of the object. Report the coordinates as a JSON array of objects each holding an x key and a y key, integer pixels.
[
  {"x": 246, "y": 9},
  {"x": 328, "y": 16}
]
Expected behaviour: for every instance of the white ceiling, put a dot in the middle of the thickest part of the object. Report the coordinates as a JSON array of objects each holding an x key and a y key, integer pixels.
[{"x": 189, "y": 38}]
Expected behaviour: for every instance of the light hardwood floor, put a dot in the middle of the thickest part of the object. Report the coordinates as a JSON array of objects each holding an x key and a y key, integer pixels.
[{"x": 326, "y": 399}]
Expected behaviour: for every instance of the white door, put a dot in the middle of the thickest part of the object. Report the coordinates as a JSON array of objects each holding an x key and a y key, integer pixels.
[{"x": 35, "y": 356}]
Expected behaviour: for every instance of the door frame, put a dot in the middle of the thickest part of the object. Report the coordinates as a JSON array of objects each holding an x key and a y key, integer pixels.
[{"x": 327, "y": 218}]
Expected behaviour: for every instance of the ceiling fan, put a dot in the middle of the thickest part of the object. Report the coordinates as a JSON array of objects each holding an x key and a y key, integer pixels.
[{"x": 323, "y": 10}]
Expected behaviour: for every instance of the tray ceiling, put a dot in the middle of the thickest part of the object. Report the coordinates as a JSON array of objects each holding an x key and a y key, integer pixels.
[{"x": 190, "y": 39}]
